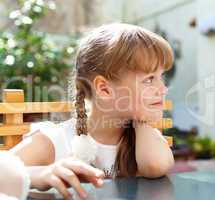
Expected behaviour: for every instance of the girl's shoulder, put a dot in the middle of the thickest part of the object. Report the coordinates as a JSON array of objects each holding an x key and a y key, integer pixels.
[{"x": 60, "y": 134}]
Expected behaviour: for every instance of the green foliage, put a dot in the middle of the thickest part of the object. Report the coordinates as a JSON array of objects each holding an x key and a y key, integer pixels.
[
  {"x": 202, "y": 146},
  {"x": 25, "y": 52}
]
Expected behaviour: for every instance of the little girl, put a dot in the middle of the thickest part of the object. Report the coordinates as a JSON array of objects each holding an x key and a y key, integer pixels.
[{"x": 119, "y": 69}]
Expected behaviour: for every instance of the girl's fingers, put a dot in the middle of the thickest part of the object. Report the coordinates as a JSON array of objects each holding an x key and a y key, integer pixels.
[
  {"x": 97, "y": 182},
  {"x": 80, "y": 167},
  {"x": 59, "y": 185},
  {"x": 69, "y": 176}
]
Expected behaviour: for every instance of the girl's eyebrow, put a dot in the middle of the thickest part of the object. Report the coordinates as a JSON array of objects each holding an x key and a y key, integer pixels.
[
  {"x": 150, "y": 74},
  {"x": 153, "y": 74}
]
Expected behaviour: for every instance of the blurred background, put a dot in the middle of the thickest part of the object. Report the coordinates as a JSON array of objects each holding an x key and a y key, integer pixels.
[{"x": 38, "y": 40}]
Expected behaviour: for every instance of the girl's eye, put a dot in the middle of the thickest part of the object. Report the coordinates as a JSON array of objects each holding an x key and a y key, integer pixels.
[{"x": 149, "y": 79}]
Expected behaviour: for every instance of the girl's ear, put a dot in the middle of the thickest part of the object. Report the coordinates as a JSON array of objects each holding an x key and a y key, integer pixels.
[{"x": 102, "y": 86}]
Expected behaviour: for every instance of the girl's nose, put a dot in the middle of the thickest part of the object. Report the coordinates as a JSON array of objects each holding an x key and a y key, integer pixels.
[{"x": 163, "y": 90}]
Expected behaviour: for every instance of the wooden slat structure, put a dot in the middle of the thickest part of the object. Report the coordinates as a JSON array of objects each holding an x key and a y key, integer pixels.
[{"x": 13, "y": 107}]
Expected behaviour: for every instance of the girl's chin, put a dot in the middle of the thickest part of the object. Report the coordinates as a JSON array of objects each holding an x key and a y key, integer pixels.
[{"x": 157, "y": 115}]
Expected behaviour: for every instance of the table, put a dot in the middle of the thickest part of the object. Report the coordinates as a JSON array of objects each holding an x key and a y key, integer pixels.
[{"x": 198, "y": 185}]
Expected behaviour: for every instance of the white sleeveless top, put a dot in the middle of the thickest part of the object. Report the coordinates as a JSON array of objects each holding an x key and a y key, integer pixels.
[{"x": 61, "y": 135}]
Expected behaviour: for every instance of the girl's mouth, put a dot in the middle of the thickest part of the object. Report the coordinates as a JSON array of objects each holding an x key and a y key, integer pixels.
[{"x": 158, "y": 103}]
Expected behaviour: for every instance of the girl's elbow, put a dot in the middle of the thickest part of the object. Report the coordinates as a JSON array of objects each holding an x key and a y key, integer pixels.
[{"x": 156, "y": 169}]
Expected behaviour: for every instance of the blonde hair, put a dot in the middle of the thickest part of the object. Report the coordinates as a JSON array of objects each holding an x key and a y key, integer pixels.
[{"x": 110, "y": 51}]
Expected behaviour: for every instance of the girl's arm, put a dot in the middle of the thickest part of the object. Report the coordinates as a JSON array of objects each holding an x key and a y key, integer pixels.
[
  {"x": 36, "y": 150},
  {"x": 153, "y": 155},
  {"x": 68, "y": 172}
]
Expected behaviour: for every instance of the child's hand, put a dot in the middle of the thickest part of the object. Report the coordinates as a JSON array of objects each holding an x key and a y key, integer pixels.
[
  {"x": 66, "y": 173},
  {"x": 147, "y": 113},
  {"x": 148, "y": 116}
]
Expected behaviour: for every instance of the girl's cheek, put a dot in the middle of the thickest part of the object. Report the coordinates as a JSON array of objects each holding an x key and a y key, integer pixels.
[
  {"x": 124, "y": 101},
  {"x": 148, "y": 94},
  {"x": 139, "y": 108}
]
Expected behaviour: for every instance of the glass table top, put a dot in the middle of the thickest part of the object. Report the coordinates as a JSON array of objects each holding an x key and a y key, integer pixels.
[{"x": 198, "y": 185}]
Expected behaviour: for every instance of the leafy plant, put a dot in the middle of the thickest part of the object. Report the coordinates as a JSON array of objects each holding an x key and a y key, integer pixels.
[
  {"x": 37, "y": 56},
  {"x": 203, "y": 147}
]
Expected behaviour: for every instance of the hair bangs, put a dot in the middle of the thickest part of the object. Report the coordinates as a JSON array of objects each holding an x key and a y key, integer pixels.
[{"x": 153, "y": 52}]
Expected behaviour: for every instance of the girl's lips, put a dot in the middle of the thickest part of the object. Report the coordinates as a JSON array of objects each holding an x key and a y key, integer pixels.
[{"x": 160, "y": 103}]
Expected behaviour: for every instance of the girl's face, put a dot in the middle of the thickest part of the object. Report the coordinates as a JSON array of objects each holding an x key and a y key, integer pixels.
[{"x": 140, "y": 96}]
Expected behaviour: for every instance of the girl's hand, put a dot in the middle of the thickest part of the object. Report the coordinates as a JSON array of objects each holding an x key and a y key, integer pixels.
[
  {"x": 149, "y": 117},
  {"x": 148, "y": 114},
  {"x": 65, "y": 173}
]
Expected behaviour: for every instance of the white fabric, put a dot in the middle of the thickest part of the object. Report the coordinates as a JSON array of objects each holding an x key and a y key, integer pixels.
[
  {"x": 61, "y": 135},
  {"x": 14, "y": 178},
  {"x": 6, "y": 197},
  {"x": 84, "y": 148}
]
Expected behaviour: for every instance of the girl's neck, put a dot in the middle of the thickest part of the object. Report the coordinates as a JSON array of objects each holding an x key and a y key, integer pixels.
[{"x": 105, "y": 128}]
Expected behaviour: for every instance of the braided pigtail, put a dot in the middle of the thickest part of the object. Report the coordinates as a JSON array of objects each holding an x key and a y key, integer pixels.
[
  {"x": 82, "y": 147},
  {"x": 81, "y": 123}
]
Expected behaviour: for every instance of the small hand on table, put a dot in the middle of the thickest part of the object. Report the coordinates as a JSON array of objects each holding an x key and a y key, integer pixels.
[{"x": 66, "y": 173}]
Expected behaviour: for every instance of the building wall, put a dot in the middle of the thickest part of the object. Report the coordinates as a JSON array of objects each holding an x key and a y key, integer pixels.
[{"x": 206, "y": 71}]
